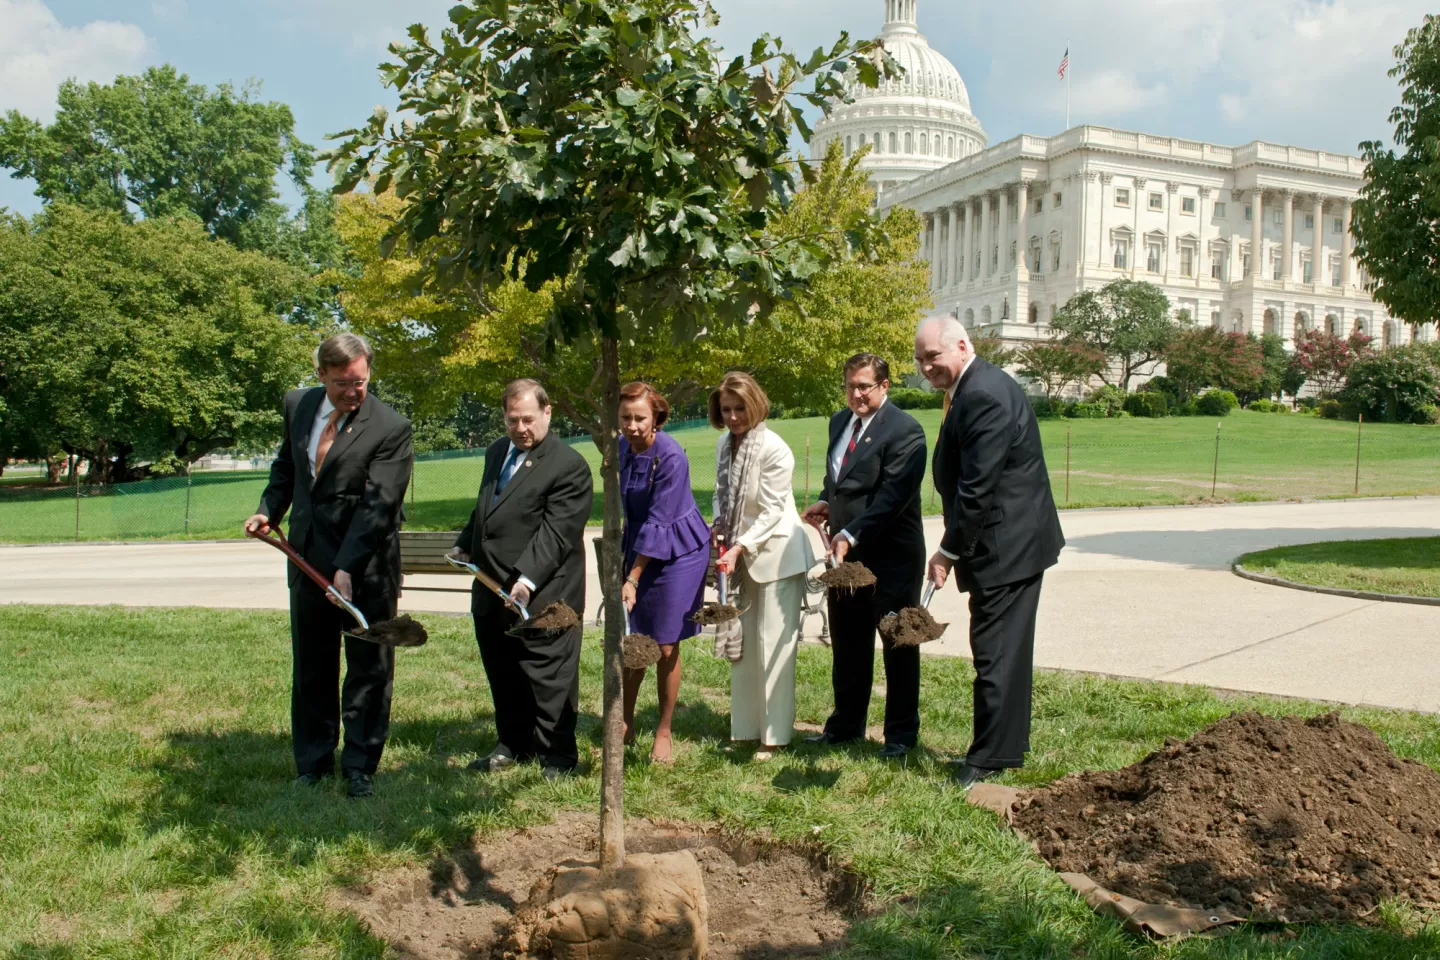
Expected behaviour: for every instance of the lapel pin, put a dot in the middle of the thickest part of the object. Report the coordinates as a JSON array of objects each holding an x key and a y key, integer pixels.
[
  {"x": 348, "y": 429},
  {"x": 529, "y": 463},
  {"x": 868, "y": 439}
]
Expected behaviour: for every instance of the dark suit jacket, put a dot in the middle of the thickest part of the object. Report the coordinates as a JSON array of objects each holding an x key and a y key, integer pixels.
[
  {"x": 536, "y": 527},
  {"x": 990, "y": 472},
  {"x": 876, "y": 497},
  {"x": 348, "y": 517}
]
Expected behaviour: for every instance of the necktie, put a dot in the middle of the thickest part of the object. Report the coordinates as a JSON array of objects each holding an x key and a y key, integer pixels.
[
  {"x": 508, "y": 470},
  {"x": 854, "y": 437},
  {"x": 327, "y": 439}
]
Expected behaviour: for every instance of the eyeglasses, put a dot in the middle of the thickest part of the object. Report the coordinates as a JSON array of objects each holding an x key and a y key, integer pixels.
[
  {"x": 348, "y": 384},
  {"x": 863, "y": 389}
]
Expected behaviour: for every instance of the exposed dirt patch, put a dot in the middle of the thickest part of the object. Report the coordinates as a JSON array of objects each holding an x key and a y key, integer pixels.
[
  {"x": 400, "y": 632},
  {"x": 765, "y": 900},
  {"x": 911, "y": 627},
  {"x": 1280, "y": 819},
  {"x": 639, "y": 651},
  {"x": 849, "y": 576},
  {"x": 557, "y": 616},
  {"x": 710, "y": 614}
]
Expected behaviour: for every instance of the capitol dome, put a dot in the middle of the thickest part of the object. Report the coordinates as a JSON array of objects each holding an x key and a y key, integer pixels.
[{"x": 916, "y": 122}]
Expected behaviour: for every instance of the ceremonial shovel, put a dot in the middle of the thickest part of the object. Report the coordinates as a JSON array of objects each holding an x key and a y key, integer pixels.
[
  {"x": 913, "y": 625},
  {"x": 525, "y": 629},
  {"x": 850, "y": 575},
  {"x": 722, "y": 611},
  {"x": 400, "y": 632}
]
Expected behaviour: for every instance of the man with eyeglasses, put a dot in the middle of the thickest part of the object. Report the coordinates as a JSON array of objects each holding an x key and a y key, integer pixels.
[
  {"x": 871, "y": 503},
  {"x": 341, "y": 471}
]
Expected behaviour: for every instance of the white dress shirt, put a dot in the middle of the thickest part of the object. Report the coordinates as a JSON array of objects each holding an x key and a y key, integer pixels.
[
  {"x": 510, "y": 452},
  {"x": 322, "y": 416},
  {"x": 837, "y": 452}
]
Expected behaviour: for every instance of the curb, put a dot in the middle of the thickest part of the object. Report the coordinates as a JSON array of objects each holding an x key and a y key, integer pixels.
[{"x": 1244, "y": 574}]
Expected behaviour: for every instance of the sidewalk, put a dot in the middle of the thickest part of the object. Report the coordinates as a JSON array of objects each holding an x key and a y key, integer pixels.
[{"x": 1138, "y": 593}]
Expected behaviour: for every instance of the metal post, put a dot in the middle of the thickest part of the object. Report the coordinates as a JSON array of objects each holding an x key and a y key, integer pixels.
[
  {"x": 187, "y": 498},
  {"x": 1215, "y": 475},
  {"x": 1067, "y": 464},
  {"x": 1359, "y": 429},
  {"x": 75, "y": 472},
  {"x": 807, "y": 471},
  {"x": 412, "y": 489}
]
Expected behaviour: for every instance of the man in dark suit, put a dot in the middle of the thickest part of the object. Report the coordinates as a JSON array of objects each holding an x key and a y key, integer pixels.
[
  {"x": 871, "y": 503},
  {"x": 1002, "y": 533},
  {"x": 342, "y": 472},
  {"x": 528, "y": 533}
]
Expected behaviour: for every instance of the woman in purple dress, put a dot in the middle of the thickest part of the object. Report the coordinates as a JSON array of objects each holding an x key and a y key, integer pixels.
[{"x": 667, "y": 549}]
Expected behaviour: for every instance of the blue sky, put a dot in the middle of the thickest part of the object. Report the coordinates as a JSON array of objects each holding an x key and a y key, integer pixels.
[{"x": 1307, "y": 72}]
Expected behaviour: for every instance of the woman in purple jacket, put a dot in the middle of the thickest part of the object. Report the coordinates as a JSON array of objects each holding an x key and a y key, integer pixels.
[{"x": 667, "y": 549}]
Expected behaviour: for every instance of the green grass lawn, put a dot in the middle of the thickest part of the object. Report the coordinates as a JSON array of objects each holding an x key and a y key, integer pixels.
[
  {"x": 1408, "y": 566},
  {"x": 146, "y": 809},
  {"x": 1130, "y": 462}
]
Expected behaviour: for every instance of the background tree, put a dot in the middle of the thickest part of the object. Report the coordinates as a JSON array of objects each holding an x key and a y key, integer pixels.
[
  {"x": 1325, "y": 358},
  {"x": 1128, "y": 321},
  {"x": 1399, "y": 385},
  {"x": 602, "y": 147},
  {"x": 1394, "y": 218},
  {"x": 1202, "y": 357},
  {"x": 156, "y": 145},
  {"x": 1056, "y": 364},
  {"x": 144, "y": 341},
  {"x": 1275, "y": 360}
]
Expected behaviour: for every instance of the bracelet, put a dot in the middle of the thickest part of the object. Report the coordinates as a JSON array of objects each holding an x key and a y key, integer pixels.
[{"x": 633, "y": 582}]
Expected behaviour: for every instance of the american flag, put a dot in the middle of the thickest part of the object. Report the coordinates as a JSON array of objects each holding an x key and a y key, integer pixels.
[{"x": 1064, "y": 63}]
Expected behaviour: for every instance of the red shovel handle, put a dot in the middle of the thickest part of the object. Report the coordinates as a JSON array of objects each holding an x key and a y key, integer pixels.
[
  {"x": 276, "y": 539},
  {"x": 819, "y": 526}
]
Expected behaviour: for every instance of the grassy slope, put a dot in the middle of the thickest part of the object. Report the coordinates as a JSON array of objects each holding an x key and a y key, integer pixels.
[
  {"x": 1112, "y": 463},
  {"x": 1409, "y": 566},
  {"x": 145, "y": 808}
]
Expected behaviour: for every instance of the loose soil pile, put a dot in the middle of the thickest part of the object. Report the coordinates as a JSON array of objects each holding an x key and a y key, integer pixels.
[
  {"x": 765, "y": 901},
  {"x": 850, "y": 575},
  {"x": 1280, "y": 819},
  {"x": 639, "y": 651},
  {"x": 557, "y": 616},
  {"x": 400, "y": 632},
  {"x": 710, "y": 614},
  {"x": 911, "y": 627}
]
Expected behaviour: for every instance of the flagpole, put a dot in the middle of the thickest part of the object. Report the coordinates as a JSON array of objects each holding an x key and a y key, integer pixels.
[{"x": 1067, "y": 85}]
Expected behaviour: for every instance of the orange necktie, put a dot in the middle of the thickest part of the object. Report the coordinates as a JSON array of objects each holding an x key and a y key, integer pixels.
[{"x": 327, "y": 437}]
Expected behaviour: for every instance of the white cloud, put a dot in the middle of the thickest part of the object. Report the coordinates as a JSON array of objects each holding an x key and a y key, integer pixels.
[
  {"x": 169, "y": 9},
  {"x": 38, "y": 52}
]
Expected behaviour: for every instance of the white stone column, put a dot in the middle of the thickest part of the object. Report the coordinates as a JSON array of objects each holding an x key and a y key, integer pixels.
[
  {"x": 1022, "y": 230},
  {"x": 1317, "y": 258},
  {"x": 949, "y": 245},
  {"x": 1202, "y": 252},
  {"x": 957, "y": 272},
  {"x": 984, "y": 270},
  {"x": 1002, "y": 230},
  {"x": 1347, "y": 249},
  {"x": 1257, "y": 235},
  {"x": 967, "y": 229},
  {"x": 1104, "y": 258},
  {"x": 1172, "y": 244},
  {"x": 928, "y": 232},
  {"x": 1137, "y": 194},
  {"x": 1287, "y": 244}
]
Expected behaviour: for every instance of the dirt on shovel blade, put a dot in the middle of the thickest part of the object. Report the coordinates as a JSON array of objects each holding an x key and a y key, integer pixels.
[
  {"x": 400, "y": 632},
  {"x": 712, "y": 613},
  {"x": 1278, "y": 818},
  {"x": 558, "y": 616},
  {"x": 639, "y": 651},
  {"x": 911, "y": 627},
  {"x": 848, "y": 576}
]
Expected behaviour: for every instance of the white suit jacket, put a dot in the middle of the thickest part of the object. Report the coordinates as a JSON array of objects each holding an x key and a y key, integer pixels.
[{"x": 770, "y": 527}]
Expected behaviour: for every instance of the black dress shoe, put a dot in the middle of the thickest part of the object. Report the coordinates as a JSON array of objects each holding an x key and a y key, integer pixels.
[
  {"x": 362, "y": 784},
  {"x": 555, "y": 773},
  {"x": 893, "y": 751},
  {"x": 828, "y": 739},
  {"x": 493, "y": 763},
  {"x": 310, "y": 779},
  {"x": 967, "y": 775}
]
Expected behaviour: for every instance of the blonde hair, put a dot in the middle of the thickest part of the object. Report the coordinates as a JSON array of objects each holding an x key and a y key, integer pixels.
[{"x": 752, "y": 398}]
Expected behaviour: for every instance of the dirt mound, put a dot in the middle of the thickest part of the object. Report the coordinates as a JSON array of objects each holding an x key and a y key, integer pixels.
[
  {"x": 764, "y": 901},
  {"x": 400, "y": 632},
  {"x": 911, "y": 627},
  {"x": 710, "y": 614},
  {"x": 850, "y": 575},
  {"x": 1280, "y": 819},
  {"x": 639, "y": 651},
  {"x": 557, "y": 616}
]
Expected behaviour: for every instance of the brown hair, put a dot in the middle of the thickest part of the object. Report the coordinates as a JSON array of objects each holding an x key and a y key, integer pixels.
[
  {"x": 341, "y": 350},
  {"x": 639, "y": 390},
  {"x": 516, "y": 389},
  {"x": 864, "y": 361},
  {"x": 752, "y": 398}
]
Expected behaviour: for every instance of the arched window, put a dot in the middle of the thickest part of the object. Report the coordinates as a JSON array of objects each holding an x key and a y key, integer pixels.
[
  {"x": 909, "y": 143},
  {"x": 969, "y": 317},
  {"x": 879, "y": 142},
  {"x": 892, "y": 148},
  {"x": 924, "y": 145},
  {"x": 984, "y": 316},
  {"x": 849, "y": 146},
  {"x": 950, "y": 148},
  {"x": 862, "y": 141},
  {"x": 1034, "y": 313},
  {"x": 1302, "y": 322},
  {"x": 1332, "y": 325},
  {"x": 1272, "y": 320},
  {"x": 1360, "y": 326}
]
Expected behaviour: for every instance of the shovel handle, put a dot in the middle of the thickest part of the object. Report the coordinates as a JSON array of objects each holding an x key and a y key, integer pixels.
[
  {"x": 929, "y": 592},
  {"x": 276, "y": 539},
  {"x": 489, "y": 584}
]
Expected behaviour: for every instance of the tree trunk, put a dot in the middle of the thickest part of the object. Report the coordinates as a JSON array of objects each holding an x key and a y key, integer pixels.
[{"x": 612, "y": 775}]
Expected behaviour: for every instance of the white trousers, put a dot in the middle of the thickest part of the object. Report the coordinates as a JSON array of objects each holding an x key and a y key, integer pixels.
[{"x": 762, "y": 681}]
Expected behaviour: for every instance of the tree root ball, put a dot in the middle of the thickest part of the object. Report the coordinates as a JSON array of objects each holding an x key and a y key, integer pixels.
[
  {"x": 652, "y": 908},
  {"x": 400, "y": 632},
  {"x": 639, "y": 651},
  {"x": 712, "y": 613},
  {"x": 911, "y": 627},
  {"x": 848, "y": 576}
]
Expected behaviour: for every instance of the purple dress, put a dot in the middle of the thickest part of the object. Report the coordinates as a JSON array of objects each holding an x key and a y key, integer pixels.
[{"x": 663, "y": 523}]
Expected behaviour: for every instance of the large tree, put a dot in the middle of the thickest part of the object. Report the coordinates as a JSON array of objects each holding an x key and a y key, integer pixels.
[
  {"x": 1201, "y": 357},
  {"x": 1396, "y": 220},
  {"x": 157, "y": 145},
  {"x": 149, "y": 341},
  {"x": 1055, "y": 364},
  {"x": 1126, "y": 320},
  {"x": 605, "y": 148},
  {"x": 1325, "y": 358}
]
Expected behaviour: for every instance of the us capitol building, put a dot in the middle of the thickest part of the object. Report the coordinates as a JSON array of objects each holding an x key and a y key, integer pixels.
[{"x": 1254, "y": 238}]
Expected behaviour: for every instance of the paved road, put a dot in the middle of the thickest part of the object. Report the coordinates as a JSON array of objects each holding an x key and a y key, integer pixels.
[{"x": 1139, "y": 593}]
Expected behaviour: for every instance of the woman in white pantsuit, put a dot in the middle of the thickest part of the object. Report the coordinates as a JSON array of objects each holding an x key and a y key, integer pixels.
[{"x": 766, "y": 553}]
